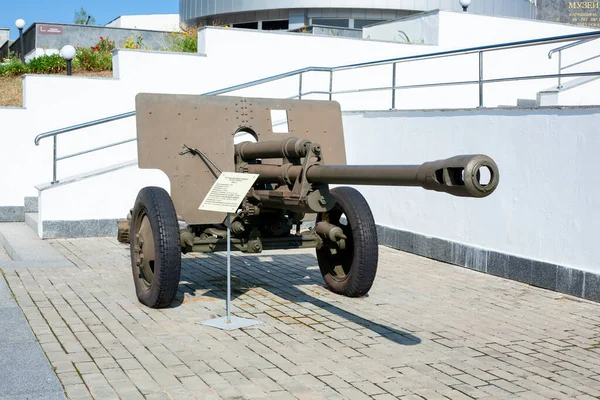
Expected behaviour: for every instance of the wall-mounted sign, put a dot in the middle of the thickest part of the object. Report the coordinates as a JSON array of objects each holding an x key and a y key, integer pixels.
[
  {"x": 50, "y": 30},
  {"x": 581, "y": 13}
]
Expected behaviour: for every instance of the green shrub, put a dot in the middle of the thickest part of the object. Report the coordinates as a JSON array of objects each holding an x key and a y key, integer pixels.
[
  {"x": 185, "y": 42},
  {"x": 136, "y": 43},
  {"x": 104, "y": 45},
  {"x": 48, "y": 64},
  {"x": 93, "y": 60},
  {"x": 13, "y": 67}
]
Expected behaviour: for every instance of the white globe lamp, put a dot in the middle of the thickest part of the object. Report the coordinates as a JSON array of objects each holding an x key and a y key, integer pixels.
[
  {"x": 20, "y": 24},
  {"x": 68, "y": 53}
]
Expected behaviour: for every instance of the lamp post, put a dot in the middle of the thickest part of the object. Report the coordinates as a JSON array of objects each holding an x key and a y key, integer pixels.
[
  {"x": 20, "y": 24},
  {"x": 68, "y": 53},
  {"x": 465, "y": 4}
]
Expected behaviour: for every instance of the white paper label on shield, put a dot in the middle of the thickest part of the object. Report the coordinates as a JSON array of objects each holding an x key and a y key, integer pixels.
[{"x": 228, "y": 192}]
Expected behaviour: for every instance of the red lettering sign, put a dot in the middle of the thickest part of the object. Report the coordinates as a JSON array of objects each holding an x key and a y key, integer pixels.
[{"x": 50, "y": 30}]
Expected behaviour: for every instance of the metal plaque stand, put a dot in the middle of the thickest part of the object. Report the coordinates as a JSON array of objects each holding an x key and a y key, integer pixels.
[{"x": 228, "y": 322}]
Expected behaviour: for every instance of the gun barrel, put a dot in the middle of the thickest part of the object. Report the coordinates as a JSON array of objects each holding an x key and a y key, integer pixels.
[{"x": 459, "y": 176}]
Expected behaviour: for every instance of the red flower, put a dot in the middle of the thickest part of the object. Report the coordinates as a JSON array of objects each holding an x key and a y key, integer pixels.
[{"x": 101, "y": 38}]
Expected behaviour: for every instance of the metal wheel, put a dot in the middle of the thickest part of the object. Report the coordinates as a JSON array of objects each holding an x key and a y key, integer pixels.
[
  {"x": 350, "y": 271},
  {"x": 155, "y": 248}
]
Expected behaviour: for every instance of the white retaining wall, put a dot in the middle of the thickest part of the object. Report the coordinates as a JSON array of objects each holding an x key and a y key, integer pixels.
[
  {"x": 153, "y": 22},
  {"x": 459, "y": 29},
  {"x": 546, "y": 205}
]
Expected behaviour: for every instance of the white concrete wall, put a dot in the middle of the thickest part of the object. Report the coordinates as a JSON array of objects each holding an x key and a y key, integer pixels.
[
  {"x": 420, "y": 29},
  {"x": 546, "y": 205},
  {"x": 154, "y": 22},
  {"x": 110, "y": 196},
  {"x": 17, "y": 175},
  {"x": 459, "y": 30},
  {"x": 466, "y": 30}
]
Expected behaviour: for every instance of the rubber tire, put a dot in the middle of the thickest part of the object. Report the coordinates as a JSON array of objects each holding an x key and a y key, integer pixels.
[
  {"x": 363, "y": 267},
  {"x": 167, "y": 265}
]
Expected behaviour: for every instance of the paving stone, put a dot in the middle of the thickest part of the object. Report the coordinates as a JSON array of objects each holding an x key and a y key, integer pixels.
[
  {"x": 69, "y": 378},
  {"x": 426, "y": 330}
]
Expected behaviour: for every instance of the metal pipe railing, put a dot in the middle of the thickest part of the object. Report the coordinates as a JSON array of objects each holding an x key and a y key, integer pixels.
[
  {"x": 452, "y": 83},
  {"x": 568, "y": 46},
  {"x": 83, "y": 125},
  {"x": 480, "y": 50},
  {"x": 559, "y": 50}
]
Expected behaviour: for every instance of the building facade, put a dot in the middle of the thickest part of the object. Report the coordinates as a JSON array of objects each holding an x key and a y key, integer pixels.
[
  {"x": 4, "y": 35},
  {"x": 296, "y": 14}
]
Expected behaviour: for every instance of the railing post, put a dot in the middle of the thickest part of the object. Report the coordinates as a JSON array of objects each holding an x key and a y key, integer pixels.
[
  {"x": 330, "y": 84},
  {"x": 54, "y": 162},
  {"x": 559, "y": 68},
  {"x": 481, "y": 79},
  {"x": 300, "y": 88},
  {"x": 393, "y": 86}
]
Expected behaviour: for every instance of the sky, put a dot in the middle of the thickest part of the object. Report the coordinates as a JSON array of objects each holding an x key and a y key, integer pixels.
[{"x": 64, "y": 10}]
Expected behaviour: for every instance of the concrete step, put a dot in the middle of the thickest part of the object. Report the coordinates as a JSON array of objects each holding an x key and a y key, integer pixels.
[
  {"x": 26, "y": 249},
  {"x": 31, "y": 219},
  {"x": 526, "y": 103}
]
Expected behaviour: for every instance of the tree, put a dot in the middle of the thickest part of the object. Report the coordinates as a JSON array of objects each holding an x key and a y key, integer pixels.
[{"x": 83, "y": 18}]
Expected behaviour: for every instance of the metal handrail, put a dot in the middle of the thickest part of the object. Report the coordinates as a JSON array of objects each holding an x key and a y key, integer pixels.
[
  {"x": 568, "y": 46},
  {"x": 83, "y": 125},
  {"x": 480, "y": 50},
  {"x": 559, "y": 50},
  {"x": 453, "y": 83}
]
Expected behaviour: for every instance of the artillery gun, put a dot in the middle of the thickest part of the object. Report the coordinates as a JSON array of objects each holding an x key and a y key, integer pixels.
[{"x": 191, "y": 139}]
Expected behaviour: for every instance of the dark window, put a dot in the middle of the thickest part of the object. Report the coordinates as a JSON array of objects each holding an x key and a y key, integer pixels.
[
  {"x": 247, "y": 25},
  {"x": 341, "y": 23},
  {"x": 360, "y": 23},
  {"x": 276, "y": 25}
]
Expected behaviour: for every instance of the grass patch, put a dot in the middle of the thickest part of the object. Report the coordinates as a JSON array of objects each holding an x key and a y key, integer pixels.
[
  {"x": 11, "y": 87},
  {"x": 11, "y": 91}
]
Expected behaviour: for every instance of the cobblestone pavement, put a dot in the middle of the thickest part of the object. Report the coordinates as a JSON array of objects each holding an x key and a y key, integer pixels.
[{"x": 427, "y": 330}]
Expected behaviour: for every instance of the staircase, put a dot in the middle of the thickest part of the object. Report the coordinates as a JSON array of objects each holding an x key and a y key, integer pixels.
[
  {"x": 22, "y": 245},
  {"x": 25, "y": 216}
]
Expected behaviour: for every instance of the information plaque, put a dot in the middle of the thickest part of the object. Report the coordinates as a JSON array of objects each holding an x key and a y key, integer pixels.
[{"x": 228, "y": 191}]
